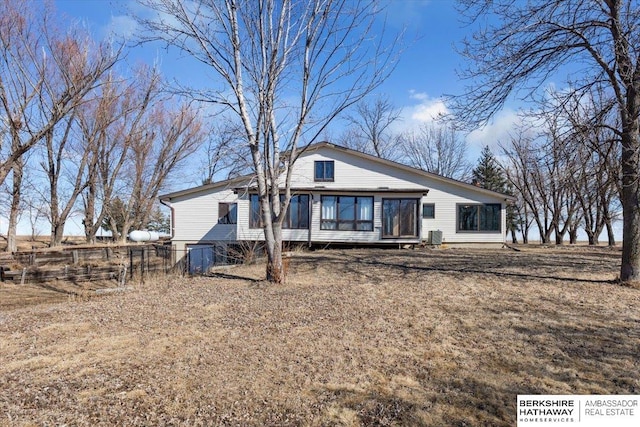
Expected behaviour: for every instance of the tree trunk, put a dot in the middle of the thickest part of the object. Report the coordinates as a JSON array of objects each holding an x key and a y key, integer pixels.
[
  {"x": 12, "y": 230},
  {"x": 611, "y": 237},
  {"x": 115, "y": 233},
  {"x": 514, "y": 237},
  {"x": 128, "y": 225},
  {"x": 541, "y": 229},
  {"x": 559, "y": 236},
  {"x": 54, "y": 240},
  {"x": 90, "y": 212},
  {"x": 573, "y": 236},
  {"x": 525, "y": 225},
  {"x": 57, "y": 235},
  {"x": 629, "y": 197},
  {"x": 276, "y": 272}
]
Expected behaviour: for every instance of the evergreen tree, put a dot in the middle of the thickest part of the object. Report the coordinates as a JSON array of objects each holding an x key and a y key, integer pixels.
[
  {"x": 158, "y": 221},
  {"x": 489, "y": 175}
]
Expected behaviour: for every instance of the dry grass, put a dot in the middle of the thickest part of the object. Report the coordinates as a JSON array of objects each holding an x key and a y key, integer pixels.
[
  {"x": 361, "y": 337},
  {"x": 26, "y": 243}
]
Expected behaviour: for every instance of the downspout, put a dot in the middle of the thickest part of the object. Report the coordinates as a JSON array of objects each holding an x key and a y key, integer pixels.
[
  {"x": 174, "y": 255},
  {"x": 310, "y": 219},
  {"x": 171, "y": 218}
]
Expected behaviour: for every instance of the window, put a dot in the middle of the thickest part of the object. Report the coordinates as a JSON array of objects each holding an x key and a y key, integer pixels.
[
  {"x": 297, "y": 214},
  {"x": 480, "y": 217},
  {"x": 428, "y": 210},
  {"x": 347, "y": 213},
  {"x": 227, "y": 213},
  {"x": 255, "y": 219},
  {"x": 323, "y": 170},
  {"x": 399, "y": 217}
]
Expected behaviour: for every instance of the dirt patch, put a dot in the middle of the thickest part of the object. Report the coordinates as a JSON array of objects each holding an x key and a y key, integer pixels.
[{"x": 355, "y": 337}]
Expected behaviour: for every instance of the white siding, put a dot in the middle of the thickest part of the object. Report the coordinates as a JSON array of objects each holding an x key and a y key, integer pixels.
[
  {"x": 446, "y": 198},
  {"x": 352, "y": 171},
  {"x": 196, "y": 214},
  {"x": 196, "y": 217},
  {"x": 355, "y": 172}
]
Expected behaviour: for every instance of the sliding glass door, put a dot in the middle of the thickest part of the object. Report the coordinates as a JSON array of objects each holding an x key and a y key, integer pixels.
[{"x": 399, "y": 218}]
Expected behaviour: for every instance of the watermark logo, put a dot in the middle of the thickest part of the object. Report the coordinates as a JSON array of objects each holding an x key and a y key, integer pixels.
[{"x": 578, "y": 410}]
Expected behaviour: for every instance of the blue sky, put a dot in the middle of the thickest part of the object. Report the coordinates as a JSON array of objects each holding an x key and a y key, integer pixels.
[{"x": 426, "y": 71}]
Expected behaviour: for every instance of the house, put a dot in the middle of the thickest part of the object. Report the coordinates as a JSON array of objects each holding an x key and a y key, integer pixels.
[{"x": 341, "y": 196}]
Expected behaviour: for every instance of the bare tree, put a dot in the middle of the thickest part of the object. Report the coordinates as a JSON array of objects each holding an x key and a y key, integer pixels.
[
  {"x": 96, "y": 122},
  {"x": 166, "y": 137},
  {"x": 23, "y": 200},
  {"x": 108, "y": 126},
  {"x": 530, "y": 41},
  {"x": 522, "y": 218},
  {"x": 58, "y": 165},
  {"x": 44, "y": 74},
  {"x": 526, "y": 171},
  {"x": 592, "y": 152},
  {"x": 369, "y": 128},
  {"x": 287, "y": 69},
  {"x": 438, "y": 149},
  {"x": 555, "y": 168},
  {"x": 521, "y": 170},
  {"x": 224, "y": 152}
]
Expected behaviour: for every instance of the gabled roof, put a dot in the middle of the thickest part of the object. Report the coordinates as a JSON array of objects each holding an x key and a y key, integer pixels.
[
  {"x": 227, "y": 183},
  {"x": 234, "y": 182},
  {"x": 407, "y": 168}
]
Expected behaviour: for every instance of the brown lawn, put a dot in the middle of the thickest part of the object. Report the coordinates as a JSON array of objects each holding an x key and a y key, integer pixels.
[{"x": 356, "y": 337}]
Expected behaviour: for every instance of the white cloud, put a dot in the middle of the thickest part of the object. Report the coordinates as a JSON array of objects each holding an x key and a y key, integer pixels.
[
  {"x": 122, "y": 26},
  {"x": 495, "y": 132},
  {"x": 427, "y": 110},
  {"x": 421, "y": 96}
]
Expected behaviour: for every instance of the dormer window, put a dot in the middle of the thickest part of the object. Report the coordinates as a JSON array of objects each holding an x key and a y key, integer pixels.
[{"x": 323, "y": 171}]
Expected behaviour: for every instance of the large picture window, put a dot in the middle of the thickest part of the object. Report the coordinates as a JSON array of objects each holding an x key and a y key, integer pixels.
[
  {"x": 400, "y": 218},
  {"x": 486, "y": 217},
  {"x": 297, "y": 214},
  {"x": 347, "y": 213}
]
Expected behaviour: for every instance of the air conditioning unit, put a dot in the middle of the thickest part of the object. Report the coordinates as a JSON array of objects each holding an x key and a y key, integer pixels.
[{"x": 435, "y": 237}]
